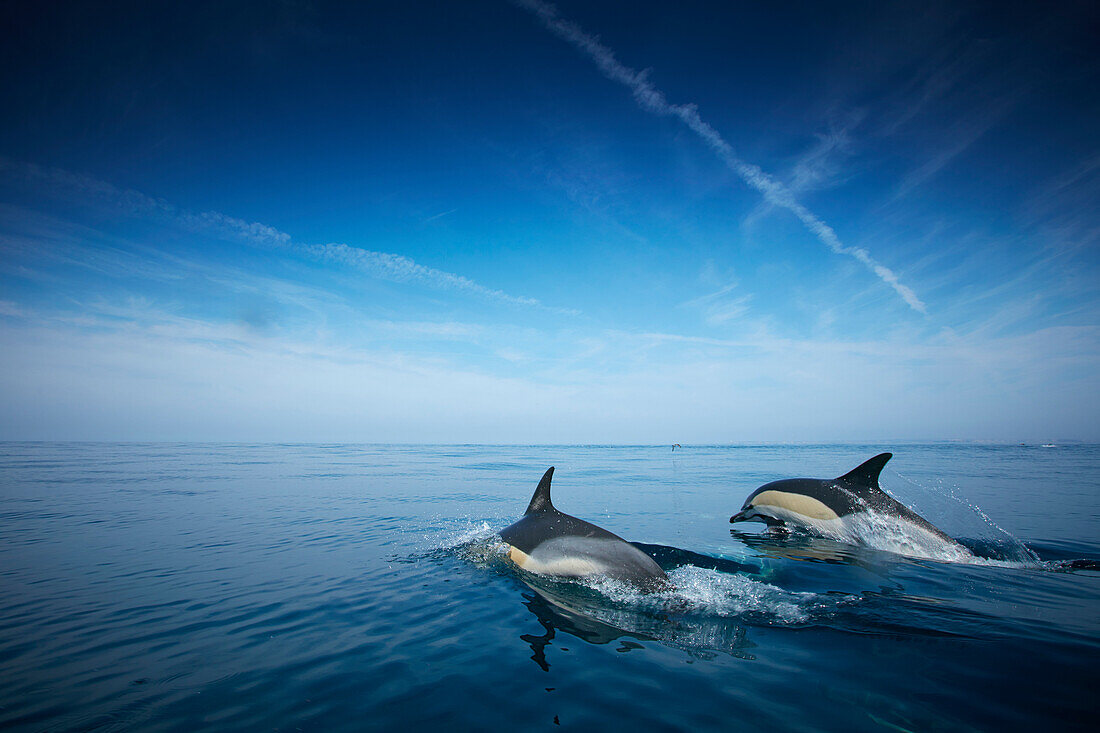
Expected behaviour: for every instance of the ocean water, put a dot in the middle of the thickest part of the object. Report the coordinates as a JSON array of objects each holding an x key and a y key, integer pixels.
[{"x": 351, "y": 587}]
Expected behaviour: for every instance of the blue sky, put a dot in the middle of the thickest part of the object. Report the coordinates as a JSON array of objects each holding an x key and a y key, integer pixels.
[{"x": 523, "y": 222}]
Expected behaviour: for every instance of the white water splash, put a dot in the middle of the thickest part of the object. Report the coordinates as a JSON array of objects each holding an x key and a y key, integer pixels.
[
  {"x": 894, "y": 534},
  {"x": 468, "y": 535},
  {"x": 897, "y": 536},
  {"x": 706, "y": 592},
  {"x": 1021, "y": 554},
  {"x": 726, "y": 594},
  {"x": 476, "y": 542}
]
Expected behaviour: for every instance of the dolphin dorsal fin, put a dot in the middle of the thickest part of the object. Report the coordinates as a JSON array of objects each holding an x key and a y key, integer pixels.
[
  {"x": 866, "y": 474},
  {"x": 541, "y": 499}
]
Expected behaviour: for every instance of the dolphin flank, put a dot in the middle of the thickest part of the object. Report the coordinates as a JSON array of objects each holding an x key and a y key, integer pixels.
[
  {"x": 548, "y": 542},
  {"x": 829, "y": 506}
]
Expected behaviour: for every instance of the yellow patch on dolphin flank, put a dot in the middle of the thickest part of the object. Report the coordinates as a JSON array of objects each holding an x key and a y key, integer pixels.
[
  {"x": 519, "y": 557},
  {"x": 807, "y": 506},
  {"x": 564, "y": 566}
]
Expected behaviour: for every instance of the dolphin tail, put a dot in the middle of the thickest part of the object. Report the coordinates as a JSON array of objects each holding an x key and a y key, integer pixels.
[
  {"x": 541, "y": 499},
  {"x": 866, "y": 474}
]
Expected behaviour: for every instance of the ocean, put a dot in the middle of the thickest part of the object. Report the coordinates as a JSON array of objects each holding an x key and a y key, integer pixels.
[{"x": 180, "y": 587}]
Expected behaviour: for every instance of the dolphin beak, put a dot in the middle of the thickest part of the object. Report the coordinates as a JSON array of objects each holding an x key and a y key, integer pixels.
[{"x": 738, "y": 517}]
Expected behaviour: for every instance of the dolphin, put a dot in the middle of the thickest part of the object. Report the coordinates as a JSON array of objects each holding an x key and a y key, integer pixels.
[
  {"x": 547, "y": 542},
  {"x": 833, "y": 507}
]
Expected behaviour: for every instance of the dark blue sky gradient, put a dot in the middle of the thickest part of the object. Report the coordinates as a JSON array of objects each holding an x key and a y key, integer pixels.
[{"x": 958, "y": 144}]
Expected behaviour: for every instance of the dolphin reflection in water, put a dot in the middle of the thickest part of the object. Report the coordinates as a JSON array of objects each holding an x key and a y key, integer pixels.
[{"x": 581, "y": 613}]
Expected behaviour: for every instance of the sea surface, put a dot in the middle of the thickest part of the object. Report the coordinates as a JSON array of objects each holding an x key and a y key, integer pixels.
[{"x": 244, "y": 587}]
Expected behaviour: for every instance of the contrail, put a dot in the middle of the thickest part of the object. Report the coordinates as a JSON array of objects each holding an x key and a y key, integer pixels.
[{"x": 653, "y": 100}]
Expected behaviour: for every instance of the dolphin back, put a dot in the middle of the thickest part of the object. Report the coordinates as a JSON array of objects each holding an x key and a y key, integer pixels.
[
  {"x": 866, "y": 474},
  {"x": 542, "y": 521},
  {"x": 535, "y": 528},
  {"x": 861, "y": 487},
  {"x": 863, "y": 482},
  {"x": 540, "y": 500}
]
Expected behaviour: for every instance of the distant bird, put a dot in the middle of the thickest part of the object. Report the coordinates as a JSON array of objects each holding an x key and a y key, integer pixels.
[{"x": 675, "y": 446}]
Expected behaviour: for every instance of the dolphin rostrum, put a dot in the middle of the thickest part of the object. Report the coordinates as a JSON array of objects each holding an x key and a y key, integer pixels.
[
  {"x": 832, "y": 506},
  {"x": 547, "y": 542}
]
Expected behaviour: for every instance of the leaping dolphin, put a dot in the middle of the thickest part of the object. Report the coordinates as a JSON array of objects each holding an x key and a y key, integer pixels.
[
  {"x": 548, "y": 542},
  {"x": 831, "y": 506}
]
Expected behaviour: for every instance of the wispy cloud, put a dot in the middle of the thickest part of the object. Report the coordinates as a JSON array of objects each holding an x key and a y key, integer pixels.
[
  {"x": 1064, "y": 206},
  {"x": 653, "y": 100},
  {"x": 580, "y": 168},
  {"x": 722, "y": 305},
  {"x": 950, "y": 91},
  {"x": 398, "y": 268},
  {"x": 382, "y": 265},
  {"x": 440, "y": 215},
  {"x": 818, "y": 167},
  {"x": 962, "y": 136},
  {"x": 8, "y": 308}
]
